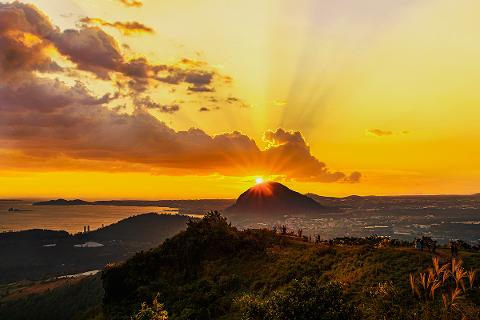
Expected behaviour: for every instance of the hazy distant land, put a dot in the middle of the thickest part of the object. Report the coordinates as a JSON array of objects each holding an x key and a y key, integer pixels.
[
  {"x": 184, "y": 206},
  {"x": 444, "y": 217}
]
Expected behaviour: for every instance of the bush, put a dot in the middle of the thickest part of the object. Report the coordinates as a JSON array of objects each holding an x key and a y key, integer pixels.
[{"x": 300, "y": 300}]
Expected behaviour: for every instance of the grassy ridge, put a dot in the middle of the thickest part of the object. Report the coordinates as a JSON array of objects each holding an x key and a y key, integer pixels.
[
  {"x": 210, "y": 270},
  {"x": 214, "y": 271}
]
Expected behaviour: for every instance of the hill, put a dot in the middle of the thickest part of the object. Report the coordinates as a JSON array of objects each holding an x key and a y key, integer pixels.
[
  {"x": 349, "y": 202},
  {"x": 40, "y": 254},
  {"x": 214, "y": 271},
  {"x": 148, "y": 227},
  {"x": 273, "y": 199}
]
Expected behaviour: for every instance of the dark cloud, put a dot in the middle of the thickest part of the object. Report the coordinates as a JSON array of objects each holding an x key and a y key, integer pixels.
[
  {"x": 201, "y": 89},
  {"x": 204, "y": 109},
  {"x": 148, "y": 103},
  {"x": 90, "y": 48},
  {"x": 80, "y": 127},
  {"x": 126, "y": 28},
  {"x": 18, "y": 16},
  {"x": 232, "y": 100},
  {"x": 46, "y": 95},
  {"x": 289, "y": 154},
  {"x": 354, "y": 177},
  {"x": 196, "y": 78},
  {"x": 236, "y": 101},
  {"x": 22, "y": 47}
]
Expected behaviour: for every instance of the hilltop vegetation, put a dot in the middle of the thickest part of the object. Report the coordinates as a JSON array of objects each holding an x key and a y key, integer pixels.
[{"x": 214, "y": 271}]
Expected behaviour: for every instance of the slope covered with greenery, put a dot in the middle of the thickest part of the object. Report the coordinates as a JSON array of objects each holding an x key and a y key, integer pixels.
[
  {"x": 76, "y": 299},
  {"x": 214, "y": 271}
]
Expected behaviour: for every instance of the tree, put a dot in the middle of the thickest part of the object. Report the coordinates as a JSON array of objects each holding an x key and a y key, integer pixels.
[{"x": 154, "y": 312}]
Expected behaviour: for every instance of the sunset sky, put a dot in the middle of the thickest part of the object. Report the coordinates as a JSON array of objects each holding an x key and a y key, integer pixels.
[{"x": 152, "y": 99}]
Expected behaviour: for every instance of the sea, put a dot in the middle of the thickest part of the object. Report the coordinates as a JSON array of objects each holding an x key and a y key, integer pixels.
[
  {"x": 69, "y": 218},
  {"x": 443, "y": 222}
]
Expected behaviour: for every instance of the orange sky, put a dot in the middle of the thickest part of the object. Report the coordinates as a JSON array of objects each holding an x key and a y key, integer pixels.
[{"x": 190, "y": 99}]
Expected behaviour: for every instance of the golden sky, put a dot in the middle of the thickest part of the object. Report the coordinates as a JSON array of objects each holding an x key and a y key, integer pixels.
[{"x": 196, "y": 99}]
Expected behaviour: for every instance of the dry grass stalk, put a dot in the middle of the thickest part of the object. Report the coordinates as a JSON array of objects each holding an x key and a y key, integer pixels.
[
  {"x": 436, "y": 265},
  {"x": 435, "y": 286},
  {"x": 471, "y": 278},
  {"x": 437, "y": 279}
]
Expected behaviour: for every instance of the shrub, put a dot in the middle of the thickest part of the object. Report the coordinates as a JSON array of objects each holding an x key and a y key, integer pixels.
[{"x": 300, "y": 300}]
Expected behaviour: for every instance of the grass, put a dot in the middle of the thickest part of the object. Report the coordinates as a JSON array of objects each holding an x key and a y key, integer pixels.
[{"x": 202, "y": 272}]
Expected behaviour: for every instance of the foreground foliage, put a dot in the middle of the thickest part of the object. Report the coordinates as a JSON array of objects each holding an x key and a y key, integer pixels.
[
  {"x": 300, "y": 300},
  {"x": 155, "y": 311},
  {"x": 214, "y": 271}
]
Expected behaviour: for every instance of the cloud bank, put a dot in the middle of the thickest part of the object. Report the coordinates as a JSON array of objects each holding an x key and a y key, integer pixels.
[{"x": 44, "y": 117}]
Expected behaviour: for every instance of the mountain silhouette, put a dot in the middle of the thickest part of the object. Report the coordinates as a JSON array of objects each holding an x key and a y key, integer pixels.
[{"x": 270, "y": 199}]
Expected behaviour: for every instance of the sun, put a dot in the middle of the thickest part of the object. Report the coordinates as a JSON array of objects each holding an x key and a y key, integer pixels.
[{"x": 259, "y": 180}]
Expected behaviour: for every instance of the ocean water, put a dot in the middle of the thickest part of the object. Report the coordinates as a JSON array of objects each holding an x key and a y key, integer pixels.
[{"x": 68, "y": 218}]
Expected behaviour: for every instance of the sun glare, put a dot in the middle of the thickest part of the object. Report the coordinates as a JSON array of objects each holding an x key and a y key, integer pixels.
[{"x": 259, "y": 180}]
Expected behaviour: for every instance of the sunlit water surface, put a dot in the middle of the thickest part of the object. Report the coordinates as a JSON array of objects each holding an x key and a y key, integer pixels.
[{"x": 68, "y": 218}]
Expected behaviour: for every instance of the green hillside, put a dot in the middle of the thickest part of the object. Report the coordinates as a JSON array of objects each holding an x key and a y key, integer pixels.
[
  {"x": 57, "y": 299},
  {"x": 214, "y": 271}
]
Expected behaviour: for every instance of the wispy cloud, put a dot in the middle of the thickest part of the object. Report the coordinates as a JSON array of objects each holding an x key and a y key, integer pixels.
[
  {"x": 383, "y": 133},
  {"x": 131, "y": 3},
  {"x": 380, "y": 132},
  {"x": 126, "y": 28}
]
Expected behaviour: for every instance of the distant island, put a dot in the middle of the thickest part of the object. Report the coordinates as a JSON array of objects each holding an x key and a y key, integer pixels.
[
  {"x": 184, "y": 206},
  {"x": 62, "y": 202}
]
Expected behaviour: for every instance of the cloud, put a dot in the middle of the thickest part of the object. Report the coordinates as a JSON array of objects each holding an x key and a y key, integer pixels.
[
  {"x": 232, "y": 100},
  {"x": 27, "y": 36},
  {"x": 279, "y": 103},
  {"x": 237, "y": 101},
  {"x": 383, "y": 133},
  {"x": 200, "y": 88},
  {"x": 23, "y": 48},
  {"x": 91, "y": 49},
  {"x": 126, "y": 28},
  {"x": 148, "y": 103},
  {"x": 131, "y": 3},
  {"x": 380, "y": 132},
  {"x": 288, "y": 154},
  {"x": 43, "y": 119},
  {"x": 46, "y": 95},
  {"x": 80, "y": 127},
  {"x": 204, "y": 109}
]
